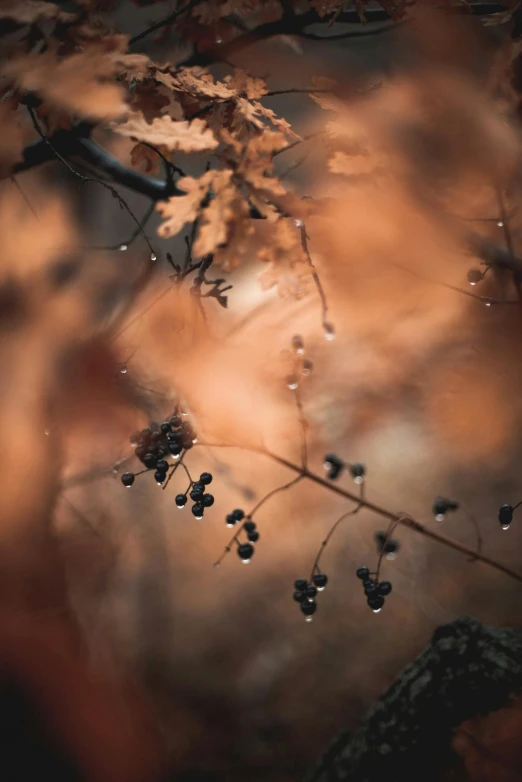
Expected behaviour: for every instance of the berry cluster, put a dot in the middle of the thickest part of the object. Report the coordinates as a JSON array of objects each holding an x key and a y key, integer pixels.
[
  {"x": 387, "y": 547},
  {"x": 157, "y": 441},
  {"x": 305, "y": 593},
  {"x": 441, "y": 506},
  {"x": 245, "y": 551},
  {"x": 335, "y": 465},
  {"x": 375, "y": 591},
  {"x": 198, "y": 495},
  {"x": 301, "y": 365}
]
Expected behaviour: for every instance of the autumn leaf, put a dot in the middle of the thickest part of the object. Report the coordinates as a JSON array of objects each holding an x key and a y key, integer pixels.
[
  {"x": 182, "y": 135},
  {"x": 222, "y": 210},
  {"x": 12, "y": 138},
  {"x": 77, "y": 83},
  {"x": 31, "y": 11},
  {"x": 245, "y": 85},
  {"x": 179, "y": 210},
  {"x": 145, "y": 159}
]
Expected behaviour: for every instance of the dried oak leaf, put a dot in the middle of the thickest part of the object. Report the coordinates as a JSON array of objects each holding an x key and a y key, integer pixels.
[
  {"x": 288, "y": 268},
  {"x": 182, "y": 135},
  {"x": 179, "y": 210},
  {"x": 245, "y": 85},
  {"x": 31, "y": 11},
  {"x": 78, "y": 83},
  {"x": 196, "y": 82},
  {"x": 218, "y": 215},
  {"x": 145, "y": 159}
]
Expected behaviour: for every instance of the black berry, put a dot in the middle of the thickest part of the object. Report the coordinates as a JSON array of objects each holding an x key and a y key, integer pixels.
[
  {"x": 165, "y": 427},
  {"x": 362, "y": 573},
  {"x": 384, "y": 588},
  {"x": 181, "y": 500},
  {"x": 205, "y": 478},
  {"x": 162, "y": 465},
  {"x": 505, "y": 515},
  {"x": 238, "y": 514},
  {"x": 127, "y": 479},
  {"x": 208, "y": 500},
  {"x": 301, "y": 584},
  {"x": 245, "y": 551},
  {"x": 197, "y": 496},
  {"x": 308, "y": 608},
  {"x": 231, "y": 520},
  {"x": 311, "y": 591},
  {"x": 249, "y": 526},
  {"x": 299, "y": 596},
  {"x": 159, "y": 476},
  {"x": 175, "y": 449},
  {"x": 198, "y": 510},
  {"x": 320, "y": 580},
  {"x": 253, "y": 536},
  {"x": 175, "y": 422},
  {"x": 357, "y": 471},
  {"x": 376, "y": 602}
]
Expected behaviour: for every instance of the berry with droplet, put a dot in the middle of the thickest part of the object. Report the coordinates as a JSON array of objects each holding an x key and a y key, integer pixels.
[
  {"x": 253, "y": 536},
  {"x": 181, "y": 500},
  {"x": 245, "y": 551},
  {"x": 198, "y": 510},
  {"x": 320, "y": 580},
  {"x": 308, "y": 607},
  {"x": 127, "y": 479}
]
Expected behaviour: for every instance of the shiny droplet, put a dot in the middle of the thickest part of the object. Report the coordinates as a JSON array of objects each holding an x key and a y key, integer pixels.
[
  {"x": 473, "y": 283},
  {"x": 376, "y": 610},
  {"x": 505, "y": 526},
  {"x": 245, "y": 561},
  {"x": 488, "y": 303},
  {"x": 329, "y": 332},
  {"x": 308, "y": 618},
  {"x": 122, "y": 247},
  {"x": 500, "y": 224},
  {"x": 440, "y": 517},
  {"x": 47, "y": 432},
  {"x": 391, "y": 555},
  {"x": 153, "y": 257},
  {"x": 123, "y": 369},
  {"x": 198, "y": 517},
  {"x": 358, "y": 479},
  {"x": 298, "y": 223},
  {"x": 217, "y": 564}
]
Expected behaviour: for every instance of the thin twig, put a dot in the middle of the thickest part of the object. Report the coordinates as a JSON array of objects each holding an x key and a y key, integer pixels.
[{"x": 83, "y": 179}]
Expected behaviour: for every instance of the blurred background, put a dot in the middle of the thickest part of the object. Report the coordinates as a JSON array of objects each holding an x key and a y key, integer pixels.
[{"x": 421, "y": 384}]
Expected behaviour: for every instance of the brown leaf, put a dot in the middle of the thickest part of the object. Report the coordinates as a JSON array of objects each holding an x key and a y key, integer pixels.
[
  {"x": 77, "y": 83},
  {"x": 31, "y": 11},
  {"x": 224, "y": 208},
  {"x": 179, "y": 210},
  {"x": 187, "y": 136}
]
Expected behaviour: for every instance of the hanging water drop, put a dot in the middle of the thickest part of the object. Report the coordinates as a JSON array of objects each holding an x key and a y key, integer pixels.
[
  {"x": 329, "y": 332},
  {"x": 500, "y": 223},
  {"x": 122, "y": 248},
  {"x": 309, "y": 619},
  {"x": 153, "y": 257},
  {"x": 123, "y": 369}
]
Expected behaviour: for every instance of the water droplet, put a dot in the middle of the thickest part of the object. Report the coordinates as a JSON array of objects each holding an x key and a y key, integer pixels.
[
  {"x": 298, "y": 223},
  {"x": 115, "y": 471},
  {"x": 329, "y": 332},
  {"x": 488, "y": 303},
  {"x": 505, "y": 526},
  {"x": 217, "y": 564},
  {"x": 123, "y": 369},
  {"x": 358, "y": 479},
  {"x": 391, "y": 555},
  {"x": 245, "y": 561},
  {"x": 376, "y": 610},
  {"x": 122, "y": 248},
  {"x": 440, "y": 517},
  {"x": 198, "y": 517},
  {"x": 473, "y": 283},
  {"x": 47, "y": 432},
  {"x": 500, "y": 224},
  {"x": 153, "y": 257},
  {"x": 175, "y": 456},
  {"x": 308, "y": 619},
  {"x": 194, "y": 441},
  {"x": 219, "y": 40},
  {"x": 320, "y": 589}
]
